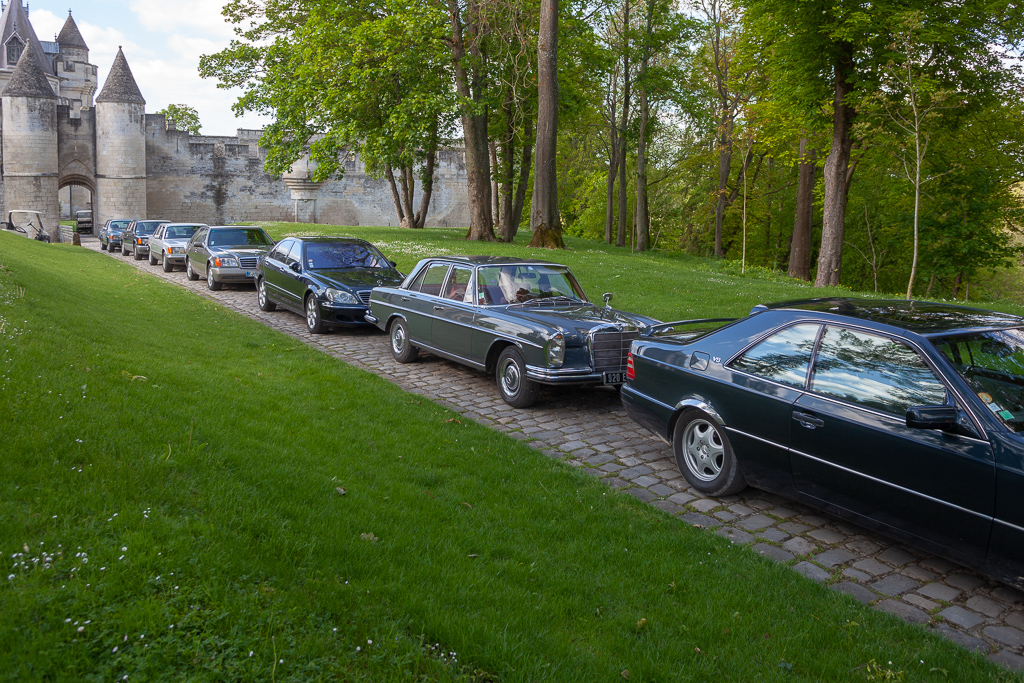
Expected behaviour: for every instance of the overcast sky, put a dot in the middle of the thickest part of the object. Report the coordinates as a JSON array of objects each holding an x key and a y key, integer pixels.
[{"x": 162, "y": 41}]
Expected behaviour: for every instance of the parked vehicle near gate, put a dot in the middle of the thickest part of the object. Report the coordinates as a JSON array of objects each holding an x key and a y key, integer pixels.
[
  {"x": 168, "y": 243},
  {"x": 527, "y": 321},
  {"x": 326, "y": 279},
  {"x": 225, "y": 253},
  {"x": 110, "y": 233},
  {"x": 135, "y": 238},
  {"x": 83, "y": 221},
  {"x": 906, "y": 417}
]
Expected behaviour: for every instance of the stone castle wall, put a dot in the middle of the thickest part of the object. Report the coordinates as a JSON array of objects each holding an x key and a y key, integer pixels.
[
  {"x": 30, "y": 157},
  {"x": 120, "y": 161}
]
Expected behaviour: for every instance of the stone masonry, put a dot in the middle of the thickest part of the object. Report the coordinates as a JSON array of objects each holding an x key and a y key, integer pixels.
[{"x": 589, "y": 429}]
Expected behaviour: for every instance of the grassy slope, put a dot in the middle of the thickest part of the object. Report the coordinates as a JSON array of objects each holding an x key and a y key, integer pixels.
[{"x": 205, "y": 498}]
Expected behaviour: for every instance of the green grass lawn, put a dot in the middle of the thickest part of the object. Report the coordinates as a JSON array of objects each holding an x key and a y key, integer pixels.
[{"x": 171, "y": 508}]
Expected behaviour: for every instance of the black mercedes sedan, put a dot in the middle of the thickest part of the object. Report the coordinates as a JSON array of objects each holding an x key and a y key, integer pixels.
[
  {"x": 326, "y": 279},
  {"x": 527, "y": 321},
  {"x": 905, "y": 417}
]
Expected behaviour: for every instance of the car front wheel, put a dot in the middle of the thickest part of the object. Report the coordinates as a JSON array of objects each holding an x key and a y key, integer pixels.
[
  {"x": 136, "y": 255},
  {"x": 152, "y": 259},
  {"x": 516, "y": 390},
  {"x": 314, "y": 323},
  {"x": 189, "y": 273},
  {"x": 103, "y": 246},
  {"x": 211, "y": 284},
  {"x": 261, "y": 296},
  {"x": 705, "y": 456},
  {"x": 168, "y": 266},
  {"x": 401, "y": 348}
]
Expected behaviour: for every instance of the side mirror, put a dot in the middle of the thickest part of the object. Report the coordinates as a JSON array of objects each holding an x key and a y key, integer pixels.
[
  {"x": 931, "y": 417},
  {"x": 295, "y": 266},
  {"x": 391, "y": 263},
  {"x": 607, "y": 298}
]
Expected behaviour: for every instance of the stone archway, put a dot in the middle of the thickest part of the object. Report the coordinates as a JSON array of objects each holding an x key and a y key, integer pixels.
[{"x": 76, "y": 192}]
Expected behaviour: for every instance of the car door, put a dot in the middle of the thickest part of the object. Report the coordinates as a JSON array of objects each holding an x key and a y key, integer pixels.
[
  {"x": 274, "y": 269},
  {"x": 419, "y": 301},
  {"x": 293, "y": 286},
  {"x": 197, "y": 252},
  {"x": 851, "y": 446},
  {"x": 452, "y": 325}
]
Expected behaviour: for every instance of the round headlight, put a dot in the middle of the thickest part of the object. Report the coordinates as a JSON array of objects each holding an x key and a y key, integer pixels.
[
  {"x": 340, "y": 296},
  {"x": 556, "y": 350}
]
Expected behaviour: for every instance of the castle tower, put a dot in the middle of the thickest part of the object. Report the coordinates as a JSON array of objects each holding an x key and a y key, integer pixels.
[
  {"x": 30, "y": 142},
  {"x": 78, "y": 78},
  {"x": 120, "y": 146}
]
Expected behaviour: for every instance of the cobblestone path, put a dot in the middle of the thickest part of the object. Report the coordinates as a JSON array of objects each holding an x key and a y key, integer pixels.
[{"x": 589, "y": 429}]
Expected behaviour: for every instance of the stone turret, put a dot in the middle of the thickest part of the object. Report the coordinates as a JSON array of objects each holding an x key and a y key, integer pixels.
[
  {"x": 30, "y": 142},
  {"x": 120, "y": 146},
  {"x": 78, "y": 78}
]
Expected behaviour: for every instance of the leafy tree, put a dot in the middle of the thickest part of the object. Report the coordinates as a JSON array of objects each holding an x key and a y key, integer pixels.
[{"x": 181, "y": 117}]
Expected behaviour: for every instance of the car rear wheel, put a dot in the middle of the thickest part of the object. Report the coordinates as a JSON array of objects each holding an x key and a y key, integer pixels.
[
  {"x": 189, "y": 273},
  {"x": 211, "y": 284},
  {"x": 401, "y": 348},
  {"x": 705, "y": 456},
  {"x": 168, "y": 266},
  {"x": 516, "y": 390},
  {"x": 313, "y": 321},
  {"x": 262, "y": 298}
]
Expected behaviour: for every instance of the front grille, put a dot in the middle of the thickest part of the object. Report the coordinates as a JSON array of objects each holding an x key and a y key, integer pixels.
[
  {"x": 364, "y": 297},
  {"x": 610, "y": 348},
  {"x": 248, "y": 261}
]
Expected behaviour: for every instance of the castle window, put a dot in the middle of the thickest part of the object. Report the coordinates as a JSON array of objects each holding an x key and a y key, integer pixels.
[{"x": 14, "y": 49}]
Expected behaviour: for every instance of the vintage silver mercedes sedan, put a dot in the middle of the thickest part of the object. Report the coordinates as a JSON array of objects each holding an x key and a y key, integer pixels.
[{"x": 527, "y": 321}]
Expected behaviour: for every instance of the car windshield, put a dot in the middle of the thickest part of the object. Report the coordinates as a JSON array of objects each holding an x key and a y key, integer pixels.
[
  {"x": 343, "y": 255},
  {"x": 180, "y": 231},
  {"x": 119, "y": 225},
  {"x": 238, "y": 237},
  {"x": 147, "y": 227},
  {"x": 992, "y": 364},
  {"x": 527, "y": 283}
]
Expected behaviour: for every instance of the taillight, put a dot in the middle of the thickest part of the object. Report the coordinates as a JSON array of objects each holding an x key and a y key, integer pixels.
[{"x": 630, "y": 374}]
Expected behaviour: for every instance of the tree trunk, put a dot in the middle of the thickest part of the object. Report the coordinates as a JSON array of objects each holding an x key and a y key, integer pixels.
[
  {"x": 492, "y": 152},
  {"x": 830, "y": 258},
  {"x": 428, "y": 185},
  {"x": 474, "y": 127},
  {"x": 800, "y": 255},
  {"x": 642, "y": 220},
  {"x": 724, "y": 168},
  {"x": 507, "y": 171},
  {"x": 613, "y": 158},
  {"x": 395, "y": 196},
  {"x": 524, "y": 179},
  {"x": 620, "y": 239},
  {"x": 544, "y": 219}
]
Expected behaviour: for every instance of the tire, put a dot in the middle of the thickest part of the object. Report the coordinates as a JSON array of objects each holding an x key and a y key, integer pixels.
[
  {"x": 136, "y": 255},
  {"x": 189, "y": 273},
  {"x": 262, "y": 298},
  {"x": 211, "y": 284},
  {"x": 401, "y": 348},
  {"x": 167, "y": 265},
  {"x": 314, "y": 323},
  {"x": 516, "y": 390},
  {"x": 152, "y": 261},
  {"x": 103, "y": 247},
  {"x": 705, "y": 456}
]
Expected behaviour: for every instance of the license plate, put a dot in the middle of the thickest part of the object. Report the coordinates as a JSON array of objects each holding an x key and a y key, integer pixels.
[
  {"x": 614, "y": 377},
  {"x": 250, "y": 273}
]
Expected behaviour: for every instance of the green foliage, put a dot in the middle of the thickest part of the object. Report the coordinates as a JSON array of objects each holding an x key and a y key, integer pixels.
[{"x": 183, "y": 117}]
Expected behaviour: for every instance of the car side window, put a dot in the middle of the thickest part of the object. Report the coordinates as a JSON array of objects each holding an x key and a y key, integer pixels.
[
  {"x": 432, "y": 280},
  {"x": 280, "y": 252},
  {"x": 295, "y": 253},
  {"x": 458, "y": 287},
  {"x": 874, "y": 371},
  {"x": 783, "y": 357},
  {"x": 199, "y": 236}
]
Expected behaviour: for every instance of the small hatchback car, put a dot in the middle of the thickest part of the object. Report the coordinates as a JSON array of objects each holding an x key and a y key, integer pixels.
[{"x": 225, "y": 253}]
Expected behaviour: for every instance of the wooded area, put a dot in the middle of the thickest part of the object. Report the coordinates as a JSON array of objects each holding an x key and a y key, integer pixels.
[{"x": 877, "y": 146}]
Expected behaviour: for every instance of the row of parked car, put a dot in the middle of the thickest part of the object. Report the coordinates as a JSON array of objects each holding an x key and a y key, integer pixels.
[{"x": 905, "y": 417}]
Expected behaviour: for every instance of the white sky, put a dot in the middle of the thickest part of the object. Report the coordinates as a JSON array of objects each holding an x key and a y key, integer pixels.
[{"x": 162, "y": 40}]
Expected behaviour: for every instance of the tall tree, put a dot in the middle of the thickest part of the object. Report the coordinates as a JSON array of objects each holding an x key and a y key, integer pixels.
[
  {"x": 544, "y": 219},
  {"x": 182, "y": 117}
]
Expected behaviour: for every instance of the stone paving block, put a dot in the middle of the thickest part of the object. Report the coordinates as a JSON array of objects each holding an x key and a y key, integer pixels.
[
  {"x": 1007, "y": 635},
  {"x": 1008, "y": 659},
  {"x": 773, "y": 552},
  {"x": 662, "y": 490},
  {"x": 961, "y": 638},
  {"x": 856, "y": 591},
  {"x": 741, "y": 510},
  {"x": 572, "y": 445},
  {"x": 872, "y": 566},
  {"x": 1015, "y": 619},
  {"x": 857, "y": 575},
  {"x": 904, "y": 611},
  {"x": 611, "y": 467},
  {"x": 794, "y": 528},
  {"x": 616, "y": 483},
  {"x": 735, "y": 535},
  {"x": 781, "y": 512},
  {"x": 812, "y": 520},
  {"x": 681, "y": 498},
  {"x": 896, "y": 556},
  {"x": 634, "y": 472},
  {"x": 894, "y": 584},
  {"x": 833, "y": 557},
  {"x": 754, "y": 522},
  {"x": 773, "y": 534},
  {"x": 668, "y": 506},
  {"x": 967, "y": 582},
  {"x": 724, "y": 515},
  {"x": 958, "y": 616},
  {"x": 1007, "y": 594},
  {"x": 705, "y": 504},
  {"x": 920, "y": 573},
  {"x": 590, "y": 471},
  {"x": 583, "y": 453},
  {"x": 600, "y": 459},
  {"x": 798, "y": 545},
  {"x": 646, "y": 481},
  {"x": 848, "y": 528},
  {"x": 812, "y": 571},
  {"x": 920, "y": 601},
  {"x": 939, "y": 591},
  {"x": 986, "y": 606},
  {"x": 641, "y": 494},
  {"x": 938, "y": 565},
  {"x": 758, "y": 504},
  {"x": 697, "y": 519},
  {"x": 826, "y": 536}
]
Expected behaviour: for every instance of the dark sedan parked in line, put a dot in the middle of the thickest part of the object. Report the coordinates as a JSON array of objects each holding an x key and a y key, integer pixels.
[
  {"x": 905, "y": 417},
  {"x": 135, "y": 238},
  {"x": 110, "y": 233},
  {"x": 225, "y": 253},
  {"x": 527, "y": 321},
  {"x": 326, "y": 279}
]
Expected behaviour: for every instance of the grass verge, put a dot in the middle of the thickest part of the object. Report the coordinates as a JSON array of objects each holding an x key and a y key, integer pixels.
[{"x": 187, "y": 494}]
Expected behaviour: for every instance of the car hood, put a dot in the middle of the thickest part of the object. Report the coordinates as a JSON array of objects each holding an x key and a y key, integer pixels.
[
  {"x": 580, "y": 317},
  {"x": 242, "y": 251},
  {"x": 359, "y": 278}
]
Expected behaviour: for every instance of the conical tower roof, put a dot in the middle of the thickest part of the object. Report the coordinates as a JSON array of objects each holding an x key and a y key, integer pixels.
[
  {"x": 29, "y": 79},
  {"x": 120, "y": 85},
  {"x": 14, "y": 22},
  {"x": 70, "y": 36}
]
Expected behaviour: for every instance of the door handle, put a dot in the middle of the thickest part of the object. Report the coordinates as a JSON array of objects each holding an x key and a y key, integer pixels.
[
  {"x": 405, "y": 298},
  {"x": 438, "y": 308},
  {"x": 809, "y": 421}
]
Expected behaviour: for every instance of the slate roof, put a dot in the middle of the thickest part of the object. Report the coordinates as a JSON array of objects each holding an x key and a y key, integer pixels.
[
  {"x": 29, "y": 79},
  {"x": 70, "y": 36},
  {"x": 15, "y": 21},
  {"x": 121, "y": 85}
]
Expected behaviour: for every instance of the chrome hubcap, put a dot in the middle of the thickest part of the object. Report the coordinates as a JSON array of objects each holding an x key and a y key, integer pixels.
[
  {"x": 262, "y": 293},
  {"x": 398, "y": 338},
  {"x": 703, "y": 449},
  {"x": 209, "y": 275},
  {"x": 510, "y": 379},
  {"x": 310, "y": 313}
]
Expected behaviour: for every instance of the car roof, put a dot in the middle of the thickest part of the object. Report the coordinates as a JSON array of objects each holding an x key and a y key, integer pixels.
[
  {"x": 326, "y": 238},
  {"x": 495, "y": 261},
  {"x": 191, "y": 225},
  {"x": 921, "y": 317},
  {"x": 233, "y": 227}
]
